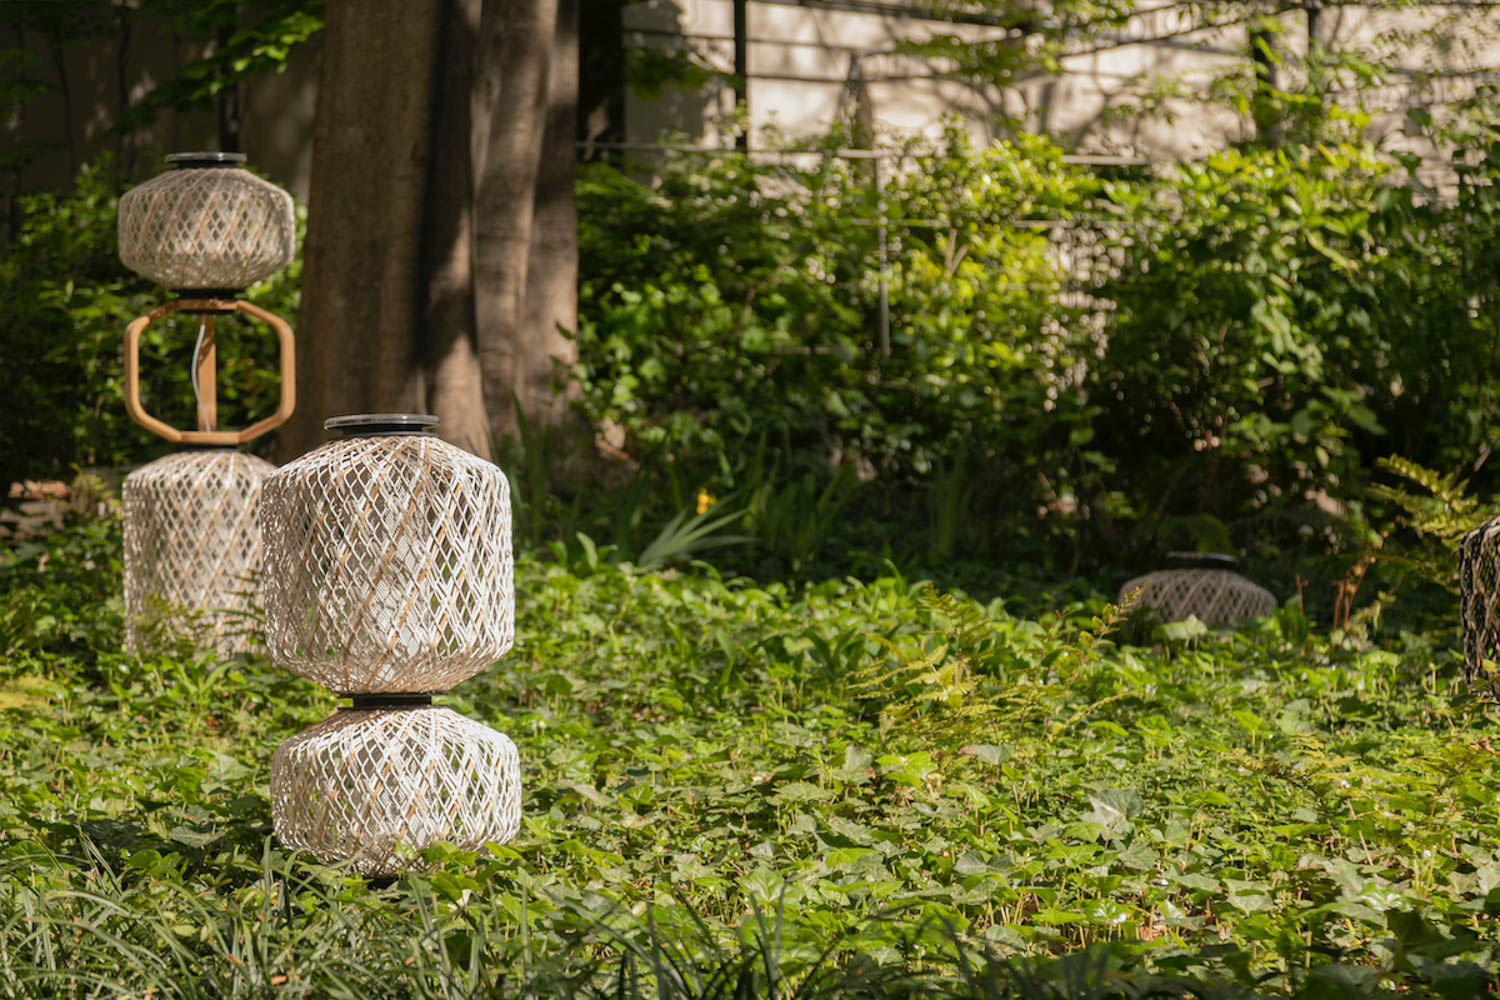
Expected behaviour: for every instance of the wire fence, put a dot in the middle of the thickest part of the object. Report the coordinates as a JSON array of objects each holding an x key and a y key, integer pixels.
[{"x": 1081, "y": 247}]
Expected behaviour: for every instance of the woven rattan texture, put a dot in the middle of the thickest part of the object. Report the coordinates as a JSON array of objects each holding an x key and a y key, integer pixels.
[
  {"x": 207, "y": 228},
  {"x": 1213, "y": 596},
  {"x": 389, "y": 565},
  {"x": 1479, "y": 604},
  {"x": 373, "y": 787},
  {"x": 193, "y": 545}
]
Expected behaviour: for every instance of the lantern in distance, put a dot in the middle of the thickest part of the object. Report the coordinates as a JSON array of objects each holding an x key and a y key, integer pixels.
[
  {"x": 1201, "y": 585},
  {"x": 206, "y": 228},
  {"x": 1479, "y": 606},
  {"x": 389, "y": 578}
]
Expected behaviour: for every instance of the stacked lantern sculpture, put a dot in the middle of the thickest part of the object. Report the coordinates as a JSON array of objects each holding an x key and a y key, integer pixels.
[
  {"x": 1479, "y": 605},
  {"x": 1203, "y": 585},
  {"x": 206, "y": 229},
  {"x": 389, "y": 579}
]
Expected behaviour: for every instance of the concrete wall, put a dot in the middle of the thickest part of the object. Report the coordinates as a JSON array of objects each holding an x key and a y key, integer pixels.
[
  {"x": 800, "y": 60},
  {"x": 800, "y": 57}
]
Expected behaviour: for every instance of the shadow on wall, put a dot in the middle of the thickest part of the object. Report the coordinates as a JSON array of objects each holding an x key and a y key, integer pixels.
[{"x": 668, "y": 82}]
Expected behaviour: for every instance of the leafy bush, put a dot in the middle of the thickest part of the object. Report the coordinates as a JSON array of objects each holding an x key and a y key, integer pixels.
[
  {"x": 736, "y": 303},
  {"x": 1253, "y": 331},
  {"x": 1281, "y": 318}
]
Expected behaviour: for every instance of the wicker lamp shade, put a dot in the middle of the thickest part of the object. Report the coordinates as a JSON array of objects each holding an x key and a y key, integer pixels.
[
  {"x": 1479, "y": 603},
  {"x": 206, "y": 225},
  {"x": 368, "y": 787},
  {"x": 389, "y": 578},
  {"x": 390, "y": 566},
  {"x": 192, "y": 544},
  {"x": 1202, "y": 586}
]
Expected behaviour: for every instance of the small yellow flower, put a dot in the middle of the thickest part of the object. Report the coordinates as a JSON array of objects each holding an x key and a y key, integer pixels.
[{"x": 705, "y": 500}]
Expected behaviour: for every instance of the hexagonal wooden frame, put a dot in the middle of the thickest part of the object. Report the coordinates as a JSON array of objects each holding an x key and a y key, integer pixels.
[{"x": 284, "y": 407}]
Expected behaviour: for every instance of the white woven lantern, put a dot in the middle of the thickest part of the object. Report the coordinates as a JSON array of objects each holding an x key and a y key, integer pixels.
[
  {"x": 192, "y": 545},
  {"x": 207, "y": 225},
  {"x": 369, "y": 786},
  {"x": 1201, "y": 585},
  {"x": 392, "y": 569},
  {"x": 389, "y": 578}
]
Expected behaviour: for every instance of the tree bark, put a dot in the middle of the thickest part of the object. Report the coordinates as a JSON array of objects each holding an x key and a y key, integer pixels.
[
  {"x": 455, "y": 394},
  {"x": 417, "y": 279},
  {"x": 601, "y": 77},
  {"x": 362, "y": 276},
  {"x": 544, "y": 351},
  {"x": 510, "y": 104}
]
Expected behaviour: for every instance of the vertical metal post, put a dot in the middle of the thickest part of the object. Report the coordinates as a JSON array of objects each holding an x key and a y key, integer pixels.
[
  {"x": 742, "y": 72},
  {"x": 885, "y": 292}
]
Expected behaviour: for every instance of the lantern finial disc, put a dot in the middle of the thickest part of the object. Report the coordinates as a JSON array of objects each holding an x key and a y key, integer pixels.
[
  {"x": 381, "y": 423},
  {"x": 184, "y": 161}
]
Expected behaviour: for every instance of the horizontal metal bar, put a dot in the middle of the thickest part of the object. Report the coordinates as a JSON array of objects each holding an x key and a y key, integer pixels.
[{"x": 1079, "y": 159}]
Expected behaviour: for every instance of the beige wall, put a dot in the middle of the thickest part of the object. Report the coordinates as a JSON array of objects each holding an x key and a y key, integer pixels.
[{"x": 799, "y": 61}]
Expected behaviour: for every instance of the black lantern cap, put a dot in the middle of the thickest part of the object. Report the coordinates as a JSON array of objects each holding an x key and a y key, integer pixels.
[
  {"x": 193, "y": 161},
  {"x": 1199, "y": 560},
  {"x": 363, "y": 424},
  {"x": 386, "y": 700}
]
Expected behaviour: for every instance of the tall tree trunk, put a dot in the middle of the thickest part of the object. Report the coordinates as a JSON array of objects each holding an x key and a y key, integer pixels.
[
  {"x": 544, "y": 351},
  {"x": 416, "y": 268},
  {"x": 601, "y": 78},
  {"x": 742, "y": 72},
  {"x": 361, "y": 277},
  {"x": 228, "y": 104},
  {"x": 510, "y": 111},
  {"x": 455, "y": 394}
]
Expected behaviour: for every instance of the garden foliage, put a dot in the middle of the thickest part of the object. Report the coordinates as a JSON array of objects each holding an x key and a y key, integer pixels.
[
  {"x": 65, "y": 298},
  {"x": 1209, "y": 354},
  {"x": 843, "y": 789},
  {"x": 1214, "y": 352}
]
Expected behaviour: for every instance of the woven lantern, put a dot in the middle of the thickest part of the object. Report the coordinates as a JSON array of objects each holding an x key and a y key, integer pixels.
[
  {"x": 1202, "y": 585},
  {"x": 367, "y": 786},
  {"x": 192, "y": 541},
  {"x": 207, "y": 229},
  {"x": 388, "y": 579},
  {"x": 206, "y": 226},
  {"x": 1479, "y": 604}
]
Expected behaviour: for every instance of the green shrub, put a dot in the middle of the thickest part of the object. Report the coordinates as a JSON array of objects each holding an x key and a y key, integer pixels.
[
  {"x": 742, "y": 305},
  {"x": 1256, "y": 329},
  {"x": 1281, "y": 319}
]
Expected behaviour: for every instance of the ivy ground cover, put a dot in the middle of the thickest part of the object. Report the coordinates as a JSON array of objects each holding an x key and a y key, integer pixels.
[{"x": 851, "y": 776}]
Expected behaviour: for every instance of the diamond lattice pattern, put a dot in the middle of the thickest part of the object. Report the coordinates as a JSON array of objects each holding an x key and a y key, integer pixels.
[
  {"x": 389, "y": 566},
  {"x": 1479, "y": 604},
  {"x": 373, "y": 787},
  {"x": 193, "y": 546},
  {"x": 209, "y": 228},
  {"x": 1213, "y": 596}
]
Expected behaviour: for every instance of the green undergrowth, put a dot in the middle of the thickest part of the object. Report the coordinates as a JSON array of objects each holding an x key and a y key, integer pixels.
[{"x": 836, "y": 789}]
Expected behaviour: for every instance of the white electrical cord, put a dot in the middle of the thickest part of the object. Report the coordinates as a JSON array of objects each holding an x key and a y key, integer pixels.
[{"x": 197, "y": 349}]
